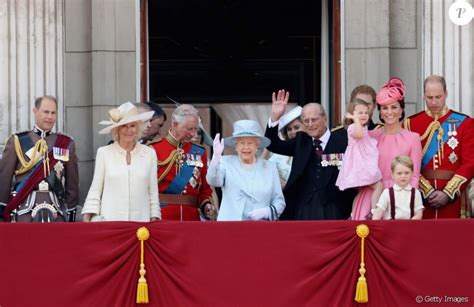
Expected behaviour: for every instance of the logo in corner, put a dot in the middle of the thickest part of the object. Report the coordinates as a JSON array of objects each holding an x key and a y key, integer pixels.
[{"x": 461, "y": 12}]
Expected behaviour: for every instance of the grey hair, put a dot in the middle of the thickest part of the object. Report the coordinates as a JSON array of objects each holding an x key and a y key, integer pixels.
[
  {"x": 140, "y": 126},
  {"x": 313, "y": 105},
  {"x": 181, "y": 113}
]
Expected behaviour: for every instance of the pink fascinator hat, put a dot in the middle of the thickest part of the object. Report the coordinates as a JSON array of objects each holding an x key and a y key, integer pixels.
[{"x": 394, "y": 90}]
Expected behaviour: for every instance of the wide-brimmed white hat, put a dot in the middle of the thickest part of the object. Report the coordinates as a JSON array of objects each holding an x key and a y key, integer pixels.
[
  {"x": 126, "y": 113},
  {"x": 289, "y": 116},
  {"x": 246, "y": 128}
]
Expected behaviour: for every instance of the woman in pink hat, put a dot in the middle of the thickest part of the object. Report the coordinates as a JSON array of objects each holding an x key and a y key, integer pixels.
[{"x": 392, "y": 141}]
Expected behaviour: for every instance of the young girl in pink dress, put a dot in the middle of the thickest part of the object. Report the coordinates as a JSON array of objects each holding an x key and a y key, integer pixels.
[{"x": 360, "y": 162}]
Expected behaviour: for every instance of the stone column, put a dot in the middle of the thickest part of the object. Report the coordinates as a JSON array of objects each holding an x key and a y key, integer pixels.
[
  {"x": 449, "y": 51},
  {"x": 367, "y": 43},
  {"x": 31, "y": 61},
  {"x": 100, "y": 71},
  {"x": 78, "y": 85}
]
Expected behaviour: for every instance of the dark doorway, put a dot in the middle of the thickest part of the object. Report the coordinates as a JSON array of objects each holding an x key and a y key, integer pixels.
[{"x": 234, "y": 51}]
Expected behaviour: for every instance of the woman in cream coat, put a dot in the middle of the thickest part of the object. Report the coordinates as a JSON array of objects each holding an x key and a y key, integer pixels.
[
  {"x": 251, "y": 187},
  {"x": 125, "y": 185}
]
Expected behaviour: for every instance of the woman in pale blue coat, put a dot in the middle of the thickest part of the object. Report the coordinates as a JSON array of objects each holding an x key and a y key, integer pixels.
[{"x": 251, "y": 187}]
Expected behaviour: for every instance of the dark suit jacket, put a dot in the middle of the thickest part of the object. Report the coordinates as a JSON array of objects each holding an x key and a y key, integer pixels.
[{"x": 311, "y": 192}]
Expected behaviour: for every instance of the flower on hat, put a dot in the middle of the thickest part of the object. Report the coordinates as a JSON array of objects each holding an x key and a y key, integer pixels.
[
  {"x": 394, "y": 90},
  {"x": 122, "y": 115}
]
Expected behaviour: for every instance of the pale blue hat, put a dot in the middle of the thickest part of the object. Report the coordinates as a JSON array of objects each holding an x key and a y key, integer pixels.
[{"x": 246, "y": 128}]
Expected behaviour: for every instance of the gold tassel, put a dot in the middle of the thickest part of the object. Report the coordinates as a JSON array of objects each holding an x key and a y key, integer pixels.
[
  {"x": 362, "y": 294},
  {"x": 142, "y": 290}
]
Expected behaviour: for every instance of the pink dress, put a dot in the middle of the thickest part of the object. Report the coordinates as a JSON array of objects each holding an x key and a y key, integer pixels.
[
  {"x": 360, "y": 163},
  {"x": 390, "y": 146}
]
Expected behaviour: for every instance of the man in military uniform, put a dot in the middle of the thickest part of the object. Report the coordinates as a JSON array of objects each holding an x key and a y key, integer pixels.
[
  {"x": 182, "y": 167},
  {"x": 42, "y": 166},
  {"x": 448, "y": 152}
]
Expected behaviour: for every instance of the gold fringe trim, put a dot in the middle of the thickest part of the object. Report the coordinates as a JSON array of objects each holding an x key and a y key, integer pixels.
[
  {"x": 171, "y": 160},
  {"x": 362, "y": 294},
  {"x": 142, "y": 288},
  {"x": 429, "y": 132}
]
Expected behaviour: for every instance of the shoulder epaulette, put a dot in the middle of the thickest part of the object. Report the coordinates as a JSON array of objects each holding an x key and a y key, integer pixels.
[
  {"x": 463, "y": 114},
  {"x": 154, "y": 142},
  {"x": 21, "y": 132},
  {"x": 10, "y": 137},
  {"x": 337, "y": 128},
  {"x": 69, "y": 136},
  {"x": 416, "y": 114},
  {"x": 18, "y": 134}
]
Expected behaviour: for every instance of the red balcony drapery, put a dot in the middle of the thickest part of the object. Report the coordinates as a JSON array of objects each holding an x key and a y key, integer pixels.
[{"x": 235, "y": 263}]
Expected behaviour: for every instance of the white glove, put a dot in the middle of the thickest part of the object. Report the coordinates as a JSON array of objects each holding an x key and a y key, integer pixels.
[
  {"x": 259, "y": 214},
  {"x": 218, "y": 148}
]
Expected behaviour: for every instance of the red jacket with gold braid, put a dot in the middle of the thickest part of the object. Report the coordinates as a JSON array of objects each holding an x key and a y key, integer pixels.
[
  {"x": 171, "y": 154},
  {"x": 452, "y": 166}
]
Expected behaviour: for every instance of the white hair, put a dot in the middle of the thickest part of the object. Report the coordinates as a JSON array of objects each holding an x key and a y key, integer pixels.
[{"x": 181, "y": 113}]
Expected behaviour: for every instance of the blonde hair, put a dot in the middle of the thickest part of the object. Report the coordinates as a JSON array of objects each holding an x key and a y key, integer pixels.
[
  {"x": 350, "y": 109},
  {"x": 402, "y": 160},
  {"x": 140, "y": 129}
]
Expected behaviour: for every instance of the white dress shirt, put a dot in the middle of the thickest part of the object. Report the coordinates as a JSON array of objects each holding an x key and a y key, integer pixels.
[{"x": 402, "y": 202}]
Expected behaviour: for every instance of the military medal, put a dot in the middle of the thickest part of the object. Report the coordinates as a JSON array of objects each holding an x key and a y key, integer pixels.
[
  {"x": 61, "y": 154},
  {"x": 193, "y": 182},
  {"x": 199, "y": 162},
  {"x": 196, "y": 173},
  {"x": 339, "y": 160},
  {"x": 58, "y": 169},
  {"x": 453, "y": 157},
  {"x": 324, "y": 160},
  {"x": 190, "y": 160},
  {"x": 453, "y": 142},
  {"x": 180, "y": 157}
]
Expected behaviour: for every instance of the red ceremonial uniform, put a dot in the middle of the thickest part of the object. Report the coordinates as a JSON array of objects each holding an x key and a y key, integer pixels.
[
  {"x": 196, "y": 193},
  {"x": 452, "y": 167}
]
